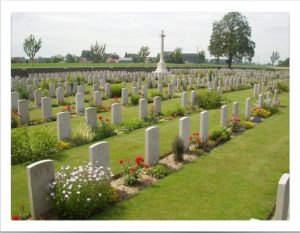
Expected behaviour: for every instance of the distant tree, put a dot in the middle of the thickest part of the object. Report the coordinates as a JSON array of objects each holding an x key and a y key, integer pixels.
[
  {"x": 98, "y": 52},
  {"x": 125, "y": 54},
  {"x": 87, "y": 54},
  {"x": 57, "y": 58},
  {"x": 250, "y": 52},
  {"x": 231, "y": 38},
  {"x": 176, "y": 56},
  {"x": 284, "y": 63},
  {"x": 143, "y": 53},
  {"x": 70, "y": 58},
  {"x": 112, "y": 55},
  {"x": 134, "y": 57},
  {"x": 31, "y": 46},
  {"x": 201, "y": 56},
  {"x": 274, "y": 57}
]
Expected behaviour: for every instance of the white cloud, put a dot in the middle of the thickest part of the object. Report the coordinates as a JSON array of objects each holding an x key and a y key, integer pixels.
[{"x": 64, "y": 33}]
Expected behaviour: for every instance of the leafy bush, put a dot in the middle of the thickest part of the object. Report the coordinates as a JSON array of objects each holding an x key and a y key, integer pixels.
[
  {"x": 235, "y": 125},
  {"x": 208, "y": 99},
  {"x": 273, "y": 108},
  {"x": 153, "y": 94},
  {"x": 105, "y": 129},
  {"x": 283, "y": 86},
  {"x": 83, "y": 134},
  {"x": 132, "y": 170},
  {"x": 178, "y": 149},
  {"x": 23, "y": 93},
  {"x": 247, "y": 124},
  {"x": 220, "y": 135},
  {"x": 40, "y": 144},
  {"x": 15, "y": 121},
  {"x": 63, "y": 145},
  {"x": 134, "y": 99},
  {"x": 116, "y": 90},
  {"x": 159, "y": 171},
  {"x": 178, "y": 111},
  {"x": 260, "y": 112},
  {"x": 124, "y": 128},
  {"x": 79, "y": 193},
  {"x": 197, "y": 145},
  {"x": 44, "y": 85}
]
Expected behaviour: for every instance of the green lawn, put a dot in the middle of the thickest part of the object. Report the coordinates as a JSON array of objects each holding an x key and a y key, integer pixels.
[
  {"x": 236, "y": 181},
  {"x": 122, "y": 147},
  {"x": 126, "y": 65}
]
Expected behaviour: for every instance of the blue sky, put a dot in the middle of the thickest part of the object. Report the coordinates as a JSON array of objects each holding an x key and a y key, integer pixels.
[{"x": 63, "y": 33}]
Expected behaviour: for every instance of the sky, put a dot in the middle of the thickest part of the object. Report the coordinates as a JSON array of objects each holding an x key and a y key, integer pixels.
[{"x": 63, "y": 33}]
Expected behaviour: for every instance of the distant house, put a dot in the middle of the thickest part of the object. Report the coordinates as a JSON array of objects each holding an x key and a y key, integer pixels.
[
  {"x": 125, "y": 60},
  {"x": 84, "y": 60},
  {"x": 111, "y": 60}
]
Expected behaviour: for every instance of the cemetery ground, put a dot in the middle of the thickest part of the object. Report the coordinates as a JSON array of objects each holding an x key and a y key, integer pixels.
[{"x": 237, "y": 180}]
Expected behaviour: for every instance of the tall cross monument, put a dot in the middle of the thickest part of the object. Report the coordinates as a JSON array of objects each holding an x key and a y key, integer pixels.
[{"x": 161, "y": 65}]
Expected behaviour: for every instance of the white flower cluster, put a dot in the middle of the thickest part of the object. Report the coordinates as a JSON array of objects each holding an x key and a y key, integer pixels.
[{"x": 69, "y": 182}]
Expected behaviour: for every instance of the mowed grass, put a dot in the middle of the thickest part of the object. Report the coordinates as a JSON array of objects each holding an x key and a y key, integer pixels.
[
  {"x": 121, "y": 147},
  {"x": 128, "y": 65},
  {"x": 236, "y": 181}
]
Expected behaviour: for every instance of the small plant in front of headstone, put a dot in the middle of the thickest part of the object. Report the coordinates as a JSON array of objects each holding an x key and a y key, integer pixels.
[
  {"x": 80, "y": 192},
  {"x": 134, "y": 99},
  {"x": 63, "y": 145},
  {"x": 22, "y": 215},
  {"x": 220, "y": 135},
  {"x": 159, "y": 171},
  {"x": 199, "y": 146},
  {"x": 209, "y": 99},
  {"x": 15, "y": 119},
  {"x": 178, "y": 149},
  {"x": 260, "y": 112},
  {"x": 235, "y": 125},
  {"x": 105, "y": 129},
  {"x": 247, "y": 124},
  {"x": 69, "y": 108},
  {"x": 83, "y": 134},
  {"x": 132, "y": 170}
]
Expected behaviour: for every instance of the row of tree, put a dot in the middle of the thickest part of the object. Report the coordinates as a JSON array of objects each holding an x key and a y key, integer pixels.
[{"x": 230, "y": 39}]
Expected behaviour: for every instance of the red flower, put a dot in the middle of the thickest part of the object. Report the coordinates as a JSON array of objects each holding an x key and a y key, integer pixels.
[
  {"x": 16, "y": 217},
  {"x": 121, "y": 161},
  {"x": 146, "y": 166},
  {"x": 139, "y": 160},
  {"x": 132, "y": 170}
]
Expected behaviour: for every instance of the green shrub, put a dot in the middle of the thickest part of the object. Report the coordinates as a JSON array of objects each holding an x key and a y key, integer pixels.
[
  {"x": 134, "y": 99},
  {"x": 260, "y": 112},
  {"x": 105, "y": 130},
  {"x": 153, "y": 94},
  {"x": 14, "y": 120},
  {"x": 116, "y": 90},
  {"x": 40, "y": 144},
  {"x": 208, "y": 99},
  {"x": 159, "y": 171},
  {"x": 178, "y": 149},
  {"x": 178, "y": 111},
  {"x": 81, "y": 192},
  {"x": 282, "y": 86},
  {"x": 23, "y": 93},
  {"x": 273, "y": 108},
  {"x": 220, "y": 135},
  {"x": 132, "y": 170},
  {"x": 44, "y": 85},
  {"x": 83, "y": 134},
  {"x": 247, "y": 124}
]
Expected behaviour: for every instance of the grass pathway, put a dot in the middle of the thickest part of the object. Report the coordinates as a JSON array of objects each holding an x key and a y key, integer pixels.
[{"x": 237, "y": 180}]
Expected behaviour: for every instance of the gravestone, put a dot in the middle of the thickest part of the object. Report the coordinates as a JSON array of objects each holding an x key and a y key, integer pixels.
[
  {"x": 193, "y": 97},
  {"x": 204, "y": 126},
  {"x": 39, "y": 175},
  {"x": 79, "y": 102},
  {"x": 235, "y": 110},
  {"x": 51, "y": 92},
  {"x": 260, "y": 101},
  {"x": 184, "y": 100},
  {"x": 160, "y": 88},
  {"x": 14, "y": 100},
  {"x": 60, "y": 95},
  {"x": 157, "y": 105},
  {"x": 116, "y": 113},
  {"x": 63, "y": 126},
  {"x": 144, "y": 92},
  {"x": 97, "y": 98},
  {"x": 68, "y": 88},
  {"x": 224, "y": 119},
  {"x": 75, "y": 86},
  {"x": 283, "y": 199},
  {"x": 184, "y": 131},
  {"x": 23, "y": 111},
  {"x": 143, "y": 108},
  {"x": 135, "y": 91},
  {"x": 124, "y": 96},
  {"x": 29, "y": 89},
  {"x": 152, "y": 145},
  {"x": 99, "y": 154},
  {"x": 80, "y": 89},
  {"x": 91, "y": 117},
  {"x": 247, "y": 109},
  {"x": 107, "y": 88},
  {"x": 37, "y": 98},
  {"x": 46, "y": 108}
]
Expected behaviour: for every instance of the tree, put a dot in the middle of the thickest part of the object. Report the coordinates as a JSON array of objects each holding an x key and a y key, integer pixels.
[
  {"x": 70, "y": 58},
  {"x": 98, "y": 52},
  {"x": 31, "y": 46},
  {"x": 231, "y": 38},
  {"x": 143, "y": 53},
  {"x": 201, "y": 56},
  {"x": 87, "y": 54},
  {"x": 284, "y": 63},
  {"x": 274, "y": 57},
  {"x": 176, "y": 56},
  {"x": 57, "y": 58}
]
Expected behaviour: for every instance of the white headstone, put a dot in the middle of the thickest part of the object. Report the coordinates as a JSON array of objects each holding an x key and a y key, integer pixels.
[
  {"x": 204, "y": 125},
  {"x": 79, "y": 100},
  {"x": 116, "y": 113},
  {"x": 91, "y": 117},
  {"x": 143, "y": 108},
  {"x": 157, "y": 105},
  {"x": 99, "y": 154},
  {"x": 224, "y": 120},
  {"x": 152, "y": 145},
  {"x": 184, "y": 131},
  {"x": 63, "y": 126},
  {"x": 46, "y": 108},
  {"x": 283, "y": 198},
  {"x": 23, "y": 111}
]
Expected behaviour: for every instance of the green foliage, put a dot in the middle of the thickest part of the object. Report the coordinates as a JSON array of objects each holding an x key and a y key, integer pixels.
[
  {"x": 176, "y": 56},
  {"x": 220, "y": 135},
  {"x": 178, "y": 111},
  {"x": 201, "y": 56},
  {"x": 274, "y": 57},
  {"x": 23, "y": 93},
  {"x": 116, "y": 90},
  {"x": 40, "y": 144},
  {"x": 247, "y": 124},
  {"x": 98, "y": 52},
  {"x": 134, "y": 99},
  {"x": 235, "y": 125},
  {"x": 79, "y": 193},
  {"x": 132, "y": 170},
  {"x": 14, "y": 120},
  {"x": 178, "y": 149},
  {"x": 273, "y": 108},
  {"x": 31, "y": 46},
  {"x": 44, "y": 85},
  {"x": 105, "y": 130},
  {"x": 260, "y": 112},
  {"x": 83, "y": 134},
  {"x": 208, "y": 99},
  {"x": 284, "y": 63},
  {"x": 143, "y": 53},
  {"x": 159, "y": 171},
  {"x": 153, "y": 94},
  {"x": 124, "y": 128},
  {"x": 282, "y": 86},
  {"x": 231, "y": 38}
]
